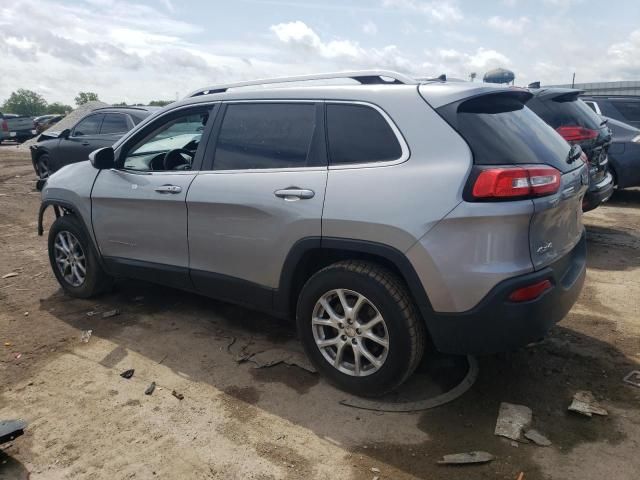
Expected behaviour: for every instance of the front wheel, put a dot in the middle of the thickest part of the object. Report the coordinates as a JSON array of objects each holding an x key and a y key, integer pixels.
[
  {"x": 42, "y": 166},
  {"x": 359, "y": 327},
  {"x": 74, "y": 260}
]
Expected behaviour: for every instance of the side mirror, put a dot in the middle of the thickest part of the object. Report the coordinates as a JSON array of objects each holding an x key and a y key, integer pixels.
[
  {"x": 65, "y": 133},
  {"x": 103, "y": 158}
]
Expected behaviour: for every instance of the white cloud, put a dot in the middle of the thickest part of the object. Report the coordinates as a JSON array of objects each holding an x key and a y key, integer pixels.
[
  {"x": 370, "y": 28},
  {"x": 625, "y": 56},
  {"x": 439, "y": 11},
  {"x": 512, "y": 26}
]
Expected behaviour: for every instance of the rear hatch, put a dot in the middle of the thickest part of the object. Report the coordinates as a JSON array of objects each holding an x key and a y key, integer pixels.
[
  {"x": 578, "y": 124},
  {"x": 504, "y": 135}
]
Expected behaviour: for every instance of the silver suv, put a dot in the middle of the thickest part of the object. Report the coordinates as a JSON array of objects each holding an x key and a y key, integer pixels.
[{"x": 387, "y": 215}]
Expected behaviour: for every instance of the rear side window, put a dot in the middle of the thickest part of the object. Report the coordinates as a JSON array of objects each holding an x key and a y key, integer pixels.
[
  {"x": 559, "y": 112},
  {"x": 266, "y": 135},
  {"x": 359, "y": 134},
  {"x": 629, "y": 110},
  {"x": 501, "y": 130},
  {"x": 114, "y": 123},
  {"x": 88, "y": 126}
]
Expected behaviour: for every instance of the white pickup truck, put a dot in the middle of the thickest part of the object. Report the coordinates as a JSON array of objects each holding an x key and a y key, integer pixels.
[{"x": 16, "y": 127}]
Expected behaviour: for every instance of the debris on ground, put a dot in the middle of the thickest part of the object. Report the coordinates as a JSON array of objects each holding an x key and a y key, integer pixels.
[
  {"x": 92, "y": 313},
  {"x": 179, "y": 396},
  {"x": 275, "y": 356},
  {"x": 537, "y": 438},
  {"x": 10, "y": 275},
  {"x": 111, "y": 313},
  {"x": 7, "y": 344},
  {"x": 150, "y": 388},
  {"x": 375, "y": 470},
  {"x": 520, "y": 476},
  {"x": 26, "y": 314},
  {"x": 128, "y": 373},
  {"x": 11, "y": 429},
  {"x": 585, "y": 403},
  {"x": 633, "y": 378},
  {"x": 86, "y": 335},
  {"x": 466, "y": 458},
  {"x": 512, "y": 420},
  {"x": 17, "y": 356}
]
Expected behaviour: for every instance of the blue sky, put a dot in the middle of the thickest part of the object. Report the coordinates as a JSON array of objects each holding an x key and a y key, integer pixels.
[{"x": 140, "y": 50}]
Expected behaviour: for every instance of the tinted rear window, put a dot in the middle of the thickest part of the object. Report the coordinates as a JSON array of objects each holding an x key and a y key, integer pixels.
[
  {"x": 559, "y": 112},
  {"x": 359, "y": 134},
  {"x": 265, "y": 135},
  {"x": 500, "y": 130},
  {"x": 628, "y": 109}
]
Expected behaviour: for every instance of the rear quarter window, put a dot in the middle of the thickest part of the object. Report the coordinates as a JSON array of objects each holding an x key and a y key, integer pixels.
[
  {"x": 560, "y": 113},
  {"x": 359, "y": 134},
  {"x": 501, "y": 130}
]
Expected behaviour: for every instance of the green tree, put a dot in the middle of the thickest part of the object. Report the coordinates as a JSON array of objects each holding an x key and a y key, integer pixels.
[
  {"x": 159, "y": 103},
  {"x": 84, "y": 97},
  {"x": 58, "y": 108},
  {"x": 25, "y": 102}
]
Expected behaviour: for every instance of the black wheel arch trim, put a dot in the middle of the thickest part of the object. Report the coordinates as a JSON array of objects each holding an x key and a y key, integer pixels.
[{"x": 390, "y": 254}]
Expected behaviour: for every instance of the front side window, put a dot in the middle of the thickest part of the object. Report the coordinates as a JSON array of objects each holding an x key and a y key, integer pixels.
[
  {"x": 88, "y": 126},
  {"x": 266, "y": 135},
  {"x": 114, "y": 123},
  {"x": 171, "y": 145},
  {"x": 359, "y": 134}
]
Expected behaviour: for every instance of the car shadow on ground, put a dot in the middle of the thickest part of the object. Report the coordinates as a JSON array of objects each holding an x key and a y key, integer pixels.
[
  {"x": 201, "y": 338},
  {"x": 628, "y": 198},
  {"x": 612, "y": 248},
  {"x": 10, "y": 468}
]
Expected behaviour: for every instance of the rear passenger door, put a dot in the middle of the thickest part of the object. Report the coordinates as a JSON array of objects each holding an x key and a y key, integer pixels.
[
  {"x": 262, "y": 190},
  {"x": 80, "y": 142}
]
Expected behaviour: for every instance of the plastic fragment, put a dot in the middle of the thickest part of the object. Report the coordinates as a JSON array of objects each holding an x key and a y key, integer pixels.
[
  {"x": 512, "y": 420},
  {"x": 585, "y": 403},
  {"x": 537, "y": 438},
  {"x": 466, "y": 458},
  {"x": 179, "y": 396},
  {"x": 150, "y": 388},
  {"x": 127, "y": 373},
  {"x": 86, "y": 335}
]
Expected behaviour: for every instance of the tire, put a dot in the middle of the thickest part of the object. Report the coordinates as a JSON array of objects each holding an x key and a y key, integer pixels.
[
  {"x": 42, "y": 166},
  {"x": 68, "y": 231},
  {"x": 384, "y": 295}
]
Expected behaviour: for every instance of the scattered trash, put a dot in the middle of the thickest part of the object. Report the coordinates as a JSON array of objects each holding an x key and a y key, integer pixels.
[
  {"x": 275, "y": 356},
  {"x": 127, "y": 373},
  {"x": 86, "y": 335},
  {"x": 466, "y": 458},
  {"x": 585, "y": 403},
  {"x": 111, "y": 313},
  {"x": 375, "y": 470},
  {"x": 376, "y": 478},
  {"x": 11, "y": 429},
  {"x": 179, "y": 396},
  {"x": 537, "y": 438},
  {"x": 17, "y": 356},
  {"x": 10, "y": 275},
  {"x": 520, "y": 476},
  {"x": 150, "y": 388},
  {"x": 92, "y": 313},
  {"x": 512, "y": 420},
  {"x": 633, "y": 378},
  {"x": 7, "y": 344},
  {"x": 26, "y": 314}
]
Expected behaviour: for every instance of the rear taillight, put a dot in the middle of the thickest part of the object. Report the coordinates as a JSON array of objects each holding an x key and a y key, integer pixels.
[
  {"x": 5, "y": 126},
  {"x": 509, "y": 182},
  {"x": 574, "y": 133},
  {"x": 530, "y": 292}
]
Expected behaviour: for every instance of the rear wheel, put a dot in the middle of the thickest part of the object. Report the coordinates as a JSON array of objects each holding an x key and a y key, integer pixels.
[
  {"x": 74, "y": 260},
  {"x": 360, "y": 328}
]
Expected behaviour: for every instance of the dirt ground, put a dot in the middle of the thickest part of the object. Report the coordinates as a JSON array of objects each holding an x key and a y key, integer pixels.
[{"x": 239, "y": 422}]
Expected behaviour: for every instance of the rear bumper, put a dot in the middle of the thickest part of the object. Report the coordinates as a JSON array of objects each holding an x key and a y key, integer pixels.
[
  {"x": 498, "y": 324},
  {"x": 598, "y": 193}
]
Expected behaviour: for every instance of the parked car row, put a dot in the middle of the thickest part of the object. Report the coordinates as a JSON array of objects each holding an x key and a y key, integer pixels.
[
  {"x": 16, "y": 127},
  {"x": 388, "y": 217}
]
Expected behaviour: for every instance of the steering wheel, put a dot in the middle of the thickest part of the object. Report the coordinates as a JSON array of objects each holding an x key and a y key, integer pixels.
[{"x": 174, "y": 159}]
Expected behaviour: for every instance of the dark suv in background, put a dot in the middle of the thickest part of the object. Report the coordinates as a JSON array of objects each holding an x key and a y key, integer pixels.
[
  {"x": 100, "y": 128},
  {"x": 578, "y": 124},
  {"x": 622, "y": 108}
]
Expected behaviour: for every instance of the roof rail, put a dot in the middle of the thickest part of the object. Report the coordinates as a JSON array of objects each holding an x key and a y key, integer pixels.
[
  {"x": 365, "y": 77},
  {"x": 131, "y": 107}
]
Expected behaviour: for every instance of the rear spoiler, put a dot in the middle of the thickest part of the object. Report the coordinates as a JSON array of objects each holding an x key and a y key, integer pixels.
[{"x": 440, "y": 94}]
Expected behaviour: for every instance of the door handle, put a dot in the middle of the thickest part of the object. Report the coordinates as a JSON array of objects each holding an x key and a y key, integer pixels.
[
  {"x": 294, "y": 193},
  {"x": 168, "y": 189}
]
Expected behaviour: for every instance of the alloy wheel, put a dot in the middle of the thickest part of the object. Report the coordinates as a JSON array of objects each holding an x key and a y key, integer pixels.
[
  {"x": 350, "y": 332},
  {"x": 70, "y": 258}
]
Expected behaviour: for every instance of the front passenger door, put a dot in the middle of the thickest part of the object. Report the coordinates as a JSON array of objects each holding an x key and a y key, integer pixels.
[{"x": 139, "y": 211}]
